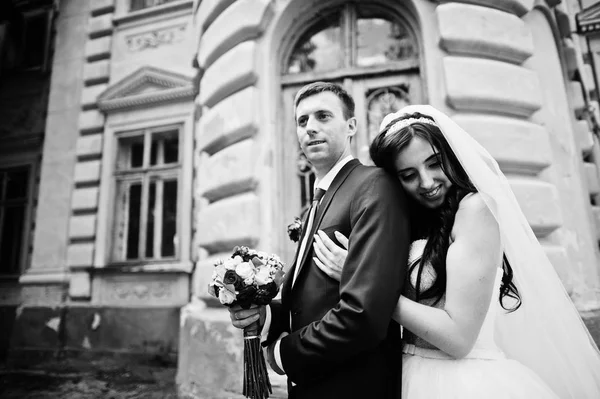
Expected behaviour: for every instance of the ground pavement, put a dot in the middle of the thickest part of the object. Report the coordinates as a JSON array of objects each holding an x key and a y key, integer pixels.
[{"x": 106, "y": 378}]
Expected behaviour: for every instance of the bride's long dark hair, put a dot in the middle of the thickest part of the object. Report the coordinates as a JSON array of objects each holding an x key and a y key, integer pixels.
[{"x": 435, "y": 225}]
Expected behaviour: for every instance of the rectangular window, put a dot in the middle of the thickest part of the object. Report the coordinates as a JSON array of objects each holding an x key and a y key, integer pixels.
[
  {"x": 137, "y": 5},
  {"x": 147, "y": 176},
  {"x": 14, "y": 203}
]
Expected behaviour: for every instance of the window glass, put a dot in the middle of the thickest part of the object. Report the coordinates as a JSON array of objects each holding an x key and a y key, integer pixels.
[
  {"x": 320, "y": 49},
  {"x": 381, "y": 41},
  {"x": 145, "y": 226}
]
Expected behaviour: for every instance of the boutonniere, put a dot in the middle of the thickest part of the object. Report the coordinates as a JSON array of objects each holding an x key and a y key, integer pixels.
[{"x": 294, "y": 229}]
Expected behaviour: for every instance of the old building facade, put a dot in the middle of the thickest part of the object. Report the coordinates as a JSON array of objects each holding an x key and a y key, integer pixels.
[{"x": 160, "y": 134}]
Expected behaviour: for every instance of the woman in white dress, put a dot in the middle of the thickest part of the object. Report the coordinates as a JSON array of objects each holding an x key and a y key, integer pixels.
[{"x": 484, "y": 313}]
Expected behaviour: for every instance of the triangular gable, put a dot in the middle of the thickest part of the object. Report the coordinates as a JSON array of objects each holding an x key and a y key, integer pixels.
[
  {"x": 146, "y": 86},
  {"x": 588, "y": 19}
]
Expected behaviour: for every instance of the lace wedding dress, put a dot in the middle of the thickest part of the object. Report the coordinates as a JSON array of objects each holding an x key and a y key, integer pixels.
[{"x": 484, "y": 373}]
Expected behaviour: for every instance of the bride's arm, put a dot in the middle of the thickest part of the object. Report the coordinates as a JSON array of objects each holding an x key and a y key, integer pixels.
[{"x": 471, "y": 266}]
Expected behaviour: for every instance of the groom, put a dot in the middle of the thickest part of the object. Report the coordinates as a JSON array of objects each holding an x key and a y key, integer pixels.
[{"x": 337, "y": 340}]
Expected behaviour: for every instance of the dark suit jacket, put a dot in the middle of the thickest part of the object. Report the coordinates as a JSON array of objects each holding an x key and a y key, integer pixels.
[{"x": 343, "y": 343}]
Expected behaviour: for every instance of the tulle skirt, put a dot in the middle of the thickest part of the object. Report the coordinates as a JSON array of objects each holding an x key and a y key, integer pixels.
[{"x": 431, "y": 374}]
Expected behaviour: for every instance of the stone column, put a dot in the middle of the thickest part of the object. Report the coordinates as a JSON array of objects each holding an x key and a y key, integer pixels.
[
  {"x": 48, "y": 265},
  {"x": 228, "y": 167}
]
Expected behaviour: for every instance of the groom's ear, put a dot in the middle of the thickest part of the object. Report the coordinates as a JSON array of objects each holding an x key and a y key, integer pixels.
[{"x": 352, "y": 126}]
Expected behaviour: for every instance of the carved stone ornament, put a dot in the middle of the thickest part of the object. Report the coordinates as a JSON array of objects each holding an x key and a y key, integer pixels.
[
  {"x": 148, "y": 85},
  {"x": 153, "y": 39}
]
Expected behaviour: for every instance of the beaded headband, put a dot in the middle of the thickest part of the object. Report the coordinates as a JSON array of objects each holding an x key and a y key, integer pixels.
[{"x": 407, "y": 122}]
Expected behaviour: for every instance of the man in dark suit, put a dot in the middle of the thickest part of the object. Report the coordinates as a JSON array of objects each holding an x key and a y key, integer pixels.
[{"x": 337, "y": 340}]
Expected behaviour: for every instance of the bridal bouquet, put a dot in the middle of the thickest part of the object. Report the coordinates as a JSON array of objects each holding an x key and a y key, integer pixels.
[{"x": 249, "y": 277}]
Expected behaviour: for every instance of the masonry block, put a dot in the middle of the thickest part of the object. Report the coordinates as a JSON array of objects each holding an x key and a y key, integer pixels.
[
  {"x": 82, "y": 226},
  {"x": 575, "y": 90},
  {"x": 233, "y": 71},
  {"x": 222, "y": 35},
  {"x": 596, "y": 221},
  {"x": 96, "y": 72},
  {"x": 510, "y": 141},
  {"x": 229, "y": 222},
  {"x": 229, "y": 171},
  {"x": 80, "y": 254},
  {"x": 80, "y": 286},
  {"x": 517, "y": 7},
  {"x": 89, "y": 145},
  {"x": 90, "y": 94},
  {"x": 209, "y": 10},
  {"x": 231, "y": 120},
  {"x": 481, "y": 31},
  {"x": 539, "y": 202},
  {"x": 97, "y": 49},
  {"x": 491, "y": 86},
  {"x": 211, "y": 352},
  {"x": 99, "y": 7},
  {"x": 88, "y": 171},
  {"x": 592, "y": 178},
  {"x": 583, "y": 136},
  {"x": 85, "y": 198},
  {"x": 100, "y": 26},
  {"x": 91, "y": 121}
]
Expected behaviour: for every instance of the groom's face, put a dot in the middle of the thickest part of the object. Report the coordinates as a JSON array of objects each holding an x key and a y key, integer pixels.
[{"x": 323, "y": 131}]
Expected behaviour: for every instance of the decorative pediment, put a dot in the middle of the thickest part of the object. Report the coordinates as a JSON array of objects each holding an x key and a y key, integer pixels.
[
  {"x": 588, "y": 20},
  {"x": 146, "y": 86}
]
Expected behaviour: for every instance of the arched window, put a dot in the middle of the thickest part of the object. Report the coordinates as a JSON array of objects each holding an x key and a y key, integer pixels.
[{"x": 355, "y": 36}]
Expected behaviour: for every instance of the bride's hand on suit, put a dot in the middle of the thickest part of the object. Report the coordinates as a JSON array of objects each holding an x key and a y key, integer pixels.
[{"x": 330, "y": 257}]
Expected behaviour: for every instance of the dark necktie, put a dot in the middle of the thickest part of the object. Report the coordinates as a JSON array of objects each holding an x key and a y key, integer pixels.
[{"x": 319, "y": 192}]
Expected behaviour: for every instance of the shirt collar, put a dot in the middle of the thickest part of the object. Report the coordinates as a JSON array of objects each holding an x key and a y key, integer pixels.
[{"x": 326, "y": 181}]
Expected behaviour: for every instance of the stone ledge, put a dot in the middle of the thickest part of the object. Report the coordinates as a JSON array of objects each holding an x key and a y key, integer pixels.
[
  {"x": 228, "y": 172},
  {"x": 591, "y": 177},
  {"x": 85, "y": 198},
  {"x": 229, "y": 222},
  {"x": 510, "y": 141},
  {"x": 480, "y": 85},
  {"x": 481, "y": 31},
  {"x": 223, "y": 35},
  {"x": 539, "y": 202},
  {"x": 232, "y": 120},
  {"x": 517, "y": 7},
  {"x": 100, "y": 26},
  {"x": 232, "y": 72},
  {"x": 209, "y": 10}
]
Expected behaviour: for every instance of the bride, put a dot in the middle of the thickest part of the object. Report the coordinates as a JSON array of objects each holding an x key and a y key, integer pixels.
[{"x": 484, "y": 314}]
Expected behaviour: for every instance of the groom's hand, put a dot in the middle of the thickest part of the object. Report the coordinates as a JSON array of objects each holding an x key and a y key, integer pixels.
[{"x": 241, "y": 318}]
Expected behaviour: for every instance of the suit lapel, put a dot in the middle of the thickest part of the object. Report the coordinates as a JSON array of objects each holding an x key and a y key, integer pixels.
[{"x": 325, "y": 202}]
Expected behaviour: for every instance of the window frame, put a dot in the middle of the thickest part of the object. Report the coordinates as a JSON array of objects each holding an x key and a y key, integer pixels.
[
  {"x": 116, "y": 126},
  {"x": 32, "y": 162},
  {"x": 144, "y": 175},
  {"x": 348, "y": 25}
]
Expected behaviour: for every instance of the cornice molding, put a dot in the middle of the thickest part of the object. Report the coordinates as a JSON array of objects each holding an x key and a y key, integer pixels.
[
  {"x": 130, "y": 92},
  {"x": 588, "y": 20}
]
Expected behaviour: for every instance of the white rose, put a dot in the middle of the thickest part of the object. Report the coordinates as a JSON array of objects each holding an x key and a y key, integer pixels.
[
  {"x": 231, "y": 263},
  {"x": 219, "y": 273},
  {"x": 245, "y": 270},
  {"x": 249, "y": 280},
  {"x": 263, "y": 276},
  {"x": 226, "y": 297}
]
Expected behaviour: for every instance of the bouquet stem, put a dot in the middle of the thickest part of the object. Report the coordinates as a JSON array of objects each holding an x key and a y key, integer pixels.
[{"x": 256, "y": 377}]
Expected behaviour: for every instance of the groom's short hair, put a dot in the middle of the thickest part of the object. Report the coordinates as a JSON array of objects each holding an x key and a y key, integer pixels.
[{"x": 319, "y": 87}]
